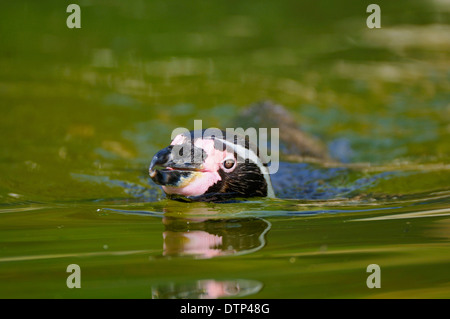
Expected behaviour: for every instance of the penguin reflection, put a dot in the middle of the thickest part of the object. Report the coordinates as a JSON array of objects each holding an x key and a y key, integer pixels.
[
  {"x": 207, "y": 238},
  {"x": 205, "y": 289}
]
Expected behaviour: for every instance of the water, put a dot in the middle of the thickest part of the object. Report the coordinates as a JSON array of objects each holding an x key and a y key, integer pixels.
[{"x": 83, "y": 112}]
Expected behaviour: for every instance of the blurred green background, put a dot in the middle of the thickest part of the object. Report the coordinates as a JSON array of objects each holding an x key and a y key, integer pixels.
[{"x": 84, "y": 110}]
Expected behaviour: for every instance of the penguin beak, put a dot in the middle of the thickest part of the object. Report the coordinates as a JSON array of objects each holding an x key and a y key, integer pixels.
[{"x": 176, "y": 165}]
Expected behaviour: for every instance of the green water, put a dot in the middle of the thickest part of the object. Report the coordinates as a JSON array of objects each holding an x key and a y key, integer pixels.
[{"x": 84, "y": 110}]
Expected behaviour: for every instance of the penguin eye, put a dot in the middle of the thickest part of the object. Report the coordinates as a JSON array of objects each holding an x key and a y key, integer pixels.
[{"x": 228, "y": 164}]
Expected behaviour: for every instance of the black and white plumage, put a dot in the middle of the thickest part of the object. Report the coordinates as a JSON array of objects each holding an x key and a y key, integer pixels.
[
  {"x": 200, "y": 165},
  {"x": 306, "y": 170}
]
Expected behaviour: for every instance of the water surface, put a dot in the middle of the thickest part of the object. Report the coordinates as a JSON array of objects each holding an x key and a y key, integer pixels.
[{"x": 83, "y": 112}]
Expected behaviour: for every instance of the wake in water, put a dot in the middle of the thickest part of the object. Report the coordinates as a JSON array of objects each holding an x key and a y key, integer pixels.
[{"x": 292, "y": 181}]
